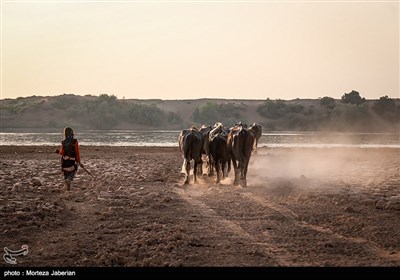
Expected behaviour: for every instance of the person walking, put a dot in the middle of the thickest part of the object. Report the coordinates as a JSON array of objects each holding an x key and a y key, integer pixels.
[{"x": 70, "y": 157}]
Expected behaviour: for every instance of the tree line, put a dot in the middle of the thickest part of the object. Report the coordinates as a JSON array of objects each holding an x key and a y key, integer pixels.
[{"x": 351, "y": 112}]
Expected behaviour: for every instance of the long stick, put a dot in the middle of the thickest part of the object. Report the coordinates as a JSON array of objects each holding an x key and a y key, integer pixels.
[{"x": 86, "y": 171}]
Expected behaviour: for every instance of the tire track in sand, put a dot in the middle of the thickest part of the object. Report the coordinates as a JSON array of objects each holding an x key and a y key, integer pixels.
[
  {"x": 194, "y": 198},
  {"x": 368, "y": 245}
]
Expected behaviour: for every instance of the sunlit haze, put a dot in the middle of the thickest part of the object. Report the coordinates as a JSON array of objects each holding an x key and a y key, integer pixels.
[{"x": 178, "y": 50}]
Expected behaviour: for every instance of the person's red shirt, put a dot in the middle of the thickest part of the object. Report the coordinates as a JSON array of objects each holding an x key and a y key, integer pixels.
[{"x": 77, "y": 154}]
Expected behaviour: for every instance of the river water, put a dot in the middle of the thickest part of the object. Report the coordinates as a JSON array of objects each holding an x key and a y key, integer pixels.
[{"x": 170, "y": 138}]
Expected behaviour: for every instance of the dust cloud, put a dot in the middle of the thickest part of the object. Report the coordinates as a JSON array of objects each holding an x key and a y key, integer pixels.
[
  {"x": 311, "y": 168},
  {"x": 287, "y": 170},
  {"x": 294, "y": 163}
]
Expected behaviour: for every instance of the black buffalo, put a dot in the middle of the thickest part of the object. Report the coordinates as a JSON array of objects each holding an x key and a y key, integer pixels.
[
  {"x": 256, "y": 130},
  {"x": 240, "y": 145},
  {"x": 191, "y": 146},
  {"x": 205, "y": 130},
  {"x": 219, "y": 150}
]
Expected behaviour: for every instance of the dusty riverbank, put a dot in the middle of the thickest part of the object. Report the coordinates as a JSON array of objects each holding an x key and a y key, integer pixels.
[{"x": 303, "y": 207}]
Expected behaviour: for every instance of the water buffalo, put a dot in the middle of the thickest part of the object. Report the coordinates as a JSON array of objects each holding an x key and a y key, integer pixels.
[
  {"x": 240, "y": 144},
  {"x": 256, "y": 130},
  {"x": 191, "y": 146},
  {"x": 219, "y": 150},
  {"x": 205, "y": 129}
]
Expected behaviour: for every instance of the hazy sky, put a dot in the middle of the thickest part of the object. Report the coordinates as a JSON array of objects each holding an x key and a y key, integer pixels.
[{"x": 178, "y": 50}]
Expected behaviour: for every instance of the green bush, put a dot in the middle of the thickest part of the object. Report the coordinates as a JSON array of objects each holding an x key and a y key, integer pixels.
[
  {"x": 211, "y": 113},
  {"x": 353, "y": 98}
]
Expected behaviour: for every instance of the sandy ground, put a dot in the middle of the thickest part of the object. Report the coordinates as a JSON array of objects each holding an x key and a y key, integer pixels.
[{"x": 303, "y": 207}]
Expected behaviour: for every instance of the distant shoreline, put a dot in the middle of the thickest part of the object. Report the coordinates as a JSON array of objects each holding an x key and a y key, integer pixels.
[
  {"x": 12, "y": 149},
  {"x": 107, "y": 113}
]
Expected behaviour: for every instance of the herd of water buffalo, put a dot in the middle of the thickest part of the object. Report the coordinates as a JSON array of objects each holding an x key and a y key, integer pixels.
[{"x": 220, "y": 146}]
